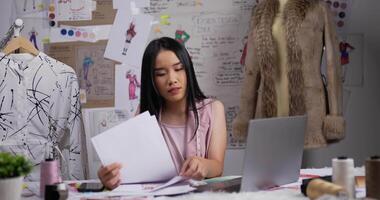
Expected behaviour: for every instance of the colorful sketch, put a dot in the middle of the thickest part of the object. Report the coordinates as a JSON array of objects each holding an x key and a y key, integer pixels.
[
  {"x": 87, "y": 63},
  {"x": 33, "y": 37},
  {"x": 133, "y": 83},
  {"x": 345, "y": 48},
  {"x": 127, "y": 87},
  {"x": 181, "y": 35},
  {"x": 129, "y": 35}
]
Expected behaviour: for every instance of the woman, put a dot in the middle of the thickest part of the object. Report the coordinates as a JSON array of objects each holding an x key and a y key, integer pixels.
[{"x": 193, "y": 126}]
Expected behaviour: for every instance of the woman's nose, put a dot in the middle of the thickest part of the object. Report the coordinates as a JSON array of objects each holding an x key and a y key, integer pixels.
[{"x": 172, "y": 79}]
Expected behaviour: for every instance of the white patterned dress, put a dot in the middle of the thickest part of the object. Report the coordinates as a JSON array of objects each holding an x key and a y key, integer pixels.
[{"x": 39, "y": 105}]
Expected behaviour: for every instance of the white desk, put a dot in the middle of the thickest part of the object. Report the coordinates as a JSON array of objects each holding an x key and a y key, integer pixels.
[{"x": 286, "y": 192}]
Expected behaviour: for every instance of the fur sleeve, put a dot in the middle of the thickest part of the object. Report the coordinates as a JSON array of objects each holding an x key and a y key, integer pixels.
[
  {"x": 334, "y": 123},
  {"x": 248, "y": 98}
]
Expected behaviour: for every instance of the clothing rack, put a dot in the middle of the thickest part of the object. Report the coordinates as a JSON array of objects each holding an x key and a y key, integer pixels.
[{"x": 13, "y": 31}]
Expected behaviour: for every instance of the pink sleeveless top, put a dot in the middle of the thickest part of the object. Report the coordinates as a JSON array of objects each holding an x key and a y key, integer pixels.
[{"x": 182, "y": 142}]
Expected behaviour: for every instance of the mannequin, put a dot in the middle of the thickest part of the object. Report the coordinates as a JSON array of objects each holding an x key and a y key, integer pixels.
[
  {"x": 281, "y": 83},
  {"x": 283, "y": 76}
]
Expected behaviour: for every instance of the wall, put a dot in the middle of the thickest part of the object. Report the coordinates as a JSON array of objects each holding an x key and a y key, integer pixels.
[
  {"x": 363, "y": 114},
  {"x": 5, "y": 14}
]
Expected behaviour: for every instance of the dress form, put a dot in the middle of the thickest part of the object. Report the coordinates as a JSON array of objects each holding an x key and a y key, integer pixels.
[{"x": 281, "y": 81}]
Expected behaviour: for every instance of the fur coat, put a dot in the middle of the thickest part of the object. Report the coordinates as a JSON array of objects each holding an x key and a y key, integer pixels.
[{"x": 309, "y": 29}]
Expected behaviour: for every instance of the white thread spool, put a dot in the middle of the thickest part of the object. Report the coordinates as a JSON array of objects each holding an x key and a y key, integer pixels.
[{"x": 343, "y": 174}]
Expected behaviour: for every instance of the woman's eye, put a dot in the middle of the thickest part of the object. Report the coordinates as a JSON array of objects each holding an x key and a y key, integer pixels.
[
  {"x": 158, "y": 73},
  {"x": 178, "y": 68}
]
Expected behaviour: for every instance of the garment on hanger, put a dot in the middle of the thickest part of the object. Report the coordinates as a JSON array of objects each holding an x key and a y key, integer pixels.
[{"x": 40, "y": 105}]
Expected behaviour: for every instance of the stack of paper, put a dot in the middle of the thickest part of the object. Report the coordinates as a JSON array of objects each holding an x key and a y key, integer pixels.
[{"x": 139, "y": 146}]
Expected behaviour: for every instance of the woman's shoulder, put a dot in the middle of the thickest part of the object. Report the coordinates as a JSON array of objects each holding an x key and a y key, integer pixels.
[{"x": 210, "y": 104}]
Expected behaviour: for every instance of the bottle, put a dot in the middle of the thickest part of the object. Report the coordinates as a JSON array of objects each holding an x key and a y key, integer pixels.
[{"x": 50, "y": 173}]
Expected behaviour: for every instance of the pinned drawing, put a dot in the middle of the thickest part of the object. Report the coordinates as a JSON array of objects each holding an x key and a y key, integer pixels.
[
  {"x": 33, "y": 37},
  {"x": 127, "y": 87},
  {"x": 345, "y": 48},
  {"x": 129, "y": 35},
  {"x": 87, "y": 63},
  {"x": 181, "y": 35},
  {"x": 133, "y": 85}
]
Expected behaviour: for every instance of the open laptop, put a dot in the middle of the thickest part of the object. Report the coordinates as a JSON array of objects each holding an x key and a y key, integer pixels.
[
  {"x": 273, "y": 153},
  {"x": 273, "y": 156}
]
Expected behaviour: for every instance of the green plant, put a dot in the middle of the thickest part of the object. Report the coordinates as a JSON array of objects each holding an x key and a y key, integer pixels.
[{"x": 13, "y": 165}]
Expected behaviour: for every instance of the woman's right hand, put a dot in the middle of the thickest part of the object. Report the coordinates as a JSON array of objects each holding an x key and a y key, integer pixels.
[{"x": 110, "y": 175}]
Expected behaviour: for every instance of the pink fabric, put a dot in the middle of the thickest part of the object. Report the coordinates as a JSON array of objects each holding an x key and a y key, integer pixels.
[{"x": 195, "y": 145}]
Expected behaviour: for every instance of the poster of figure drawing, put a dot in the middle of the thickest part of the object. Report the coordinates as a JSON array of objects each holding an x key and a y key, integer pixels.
[
  {"x": 128, "y": 37},
  {"x": 96, "y": 121},
  {"x": 96, "y": 74},
  {"x": 127, "y": 87}
]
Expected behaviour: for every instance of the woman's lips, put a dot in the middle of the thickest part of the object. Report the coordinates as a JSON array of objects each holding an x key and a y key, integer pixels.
[{"x": 174, "y": 91}]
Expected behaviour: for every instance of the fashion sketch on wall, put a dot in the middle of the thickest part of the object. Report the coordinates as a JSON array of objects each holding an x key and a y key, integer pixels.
[{"x": 129, "y": 34}]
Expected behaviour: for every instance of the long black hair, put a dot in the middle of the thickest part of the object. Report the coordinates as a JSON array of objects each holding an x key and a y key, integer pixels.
[{"x": 150, "y": 99}]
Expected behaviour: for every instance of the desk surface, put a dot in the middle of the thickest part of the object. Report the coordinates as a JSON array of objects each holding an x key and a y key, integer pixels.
[{"x": 290, "y": 191}]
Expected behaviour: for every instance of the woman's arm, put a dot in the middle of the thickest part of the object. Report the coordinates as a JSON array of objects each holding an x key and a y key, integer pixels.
[{"x": 199, "y": 168}]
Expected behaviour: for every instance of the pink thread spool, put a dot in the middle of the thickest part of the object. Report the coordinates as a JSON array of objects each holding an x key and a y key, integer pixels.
[{"x": 49, "y": 174}]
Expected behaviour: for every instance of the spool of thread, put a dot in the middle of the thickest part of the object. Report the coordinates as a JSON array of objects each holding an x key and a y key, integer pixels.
[
  {"x": 343, "y": 174},
  {"x": 372, "y": 177},
  {"x": 49, "y": 174},
  {"x": 318, "y": 187},
  {"x": 56, "y": 192}
]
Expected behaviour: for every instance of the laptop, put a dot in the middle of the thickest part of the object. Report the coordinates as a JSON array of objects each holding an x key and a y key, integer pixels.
[
  {"x": 273, "y": 153},
  {"x": 272, "y": 157}
]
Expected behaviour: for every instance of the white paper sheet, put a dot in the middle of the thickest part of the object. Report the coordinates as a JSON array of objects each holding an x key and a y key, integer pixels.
[
  {"x": 128, "y": 37},
  {"x": 176, "y": 185},
  {"x": 139, "y": 146}
]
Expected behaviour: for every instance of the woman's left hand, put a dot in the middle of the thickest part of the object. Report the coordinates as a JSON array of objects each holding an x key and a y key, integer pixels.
[{"x": 195, "y": 168}]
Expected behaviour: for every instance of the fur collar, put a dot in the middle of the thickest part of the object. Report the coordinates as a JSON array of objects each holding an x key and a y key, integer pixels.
[{"x": 264, "y": 44}]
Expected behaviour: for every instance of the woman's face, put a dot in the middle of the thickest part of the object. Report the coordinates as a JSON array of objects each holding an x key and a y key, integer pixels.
[{"x": 170, "y": 77}]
